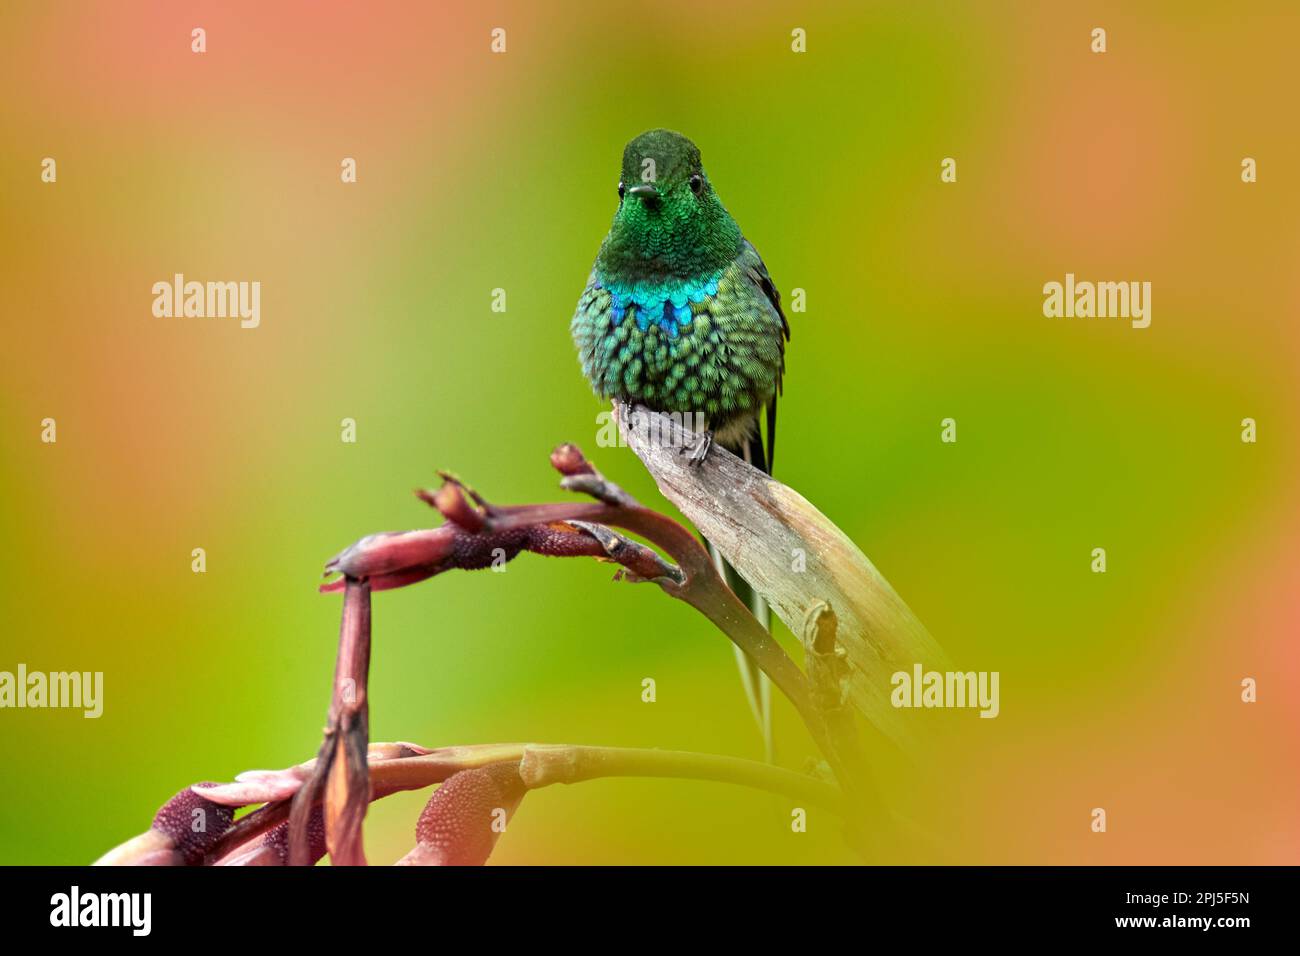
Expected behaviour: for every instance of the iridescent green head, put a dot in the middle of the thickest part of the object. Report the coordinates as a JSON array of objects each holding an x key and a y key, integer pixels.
[{"x": 670, "y": 223}]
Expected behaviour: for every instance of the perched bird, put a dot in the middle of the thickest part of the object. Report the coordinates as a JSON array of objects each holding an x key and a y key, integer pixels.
[{"x": 680, "y": 315}]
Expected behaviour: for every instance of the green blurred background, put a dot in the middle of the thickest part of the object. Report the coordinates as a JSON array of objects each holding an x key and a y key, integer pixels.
[{"x": 924, "y": 301}]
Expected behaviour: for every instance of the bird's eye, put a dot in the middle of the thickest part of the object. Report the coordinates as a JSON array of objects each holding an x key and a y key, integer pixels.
[
  {"x": 621, "y": 190},
  {"x": 697, "y": 183}
]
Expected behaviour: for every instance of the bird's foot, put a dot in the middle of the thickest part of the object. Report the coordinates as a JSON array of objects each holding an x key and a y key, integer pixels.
[{"x": 698, "y": 450}]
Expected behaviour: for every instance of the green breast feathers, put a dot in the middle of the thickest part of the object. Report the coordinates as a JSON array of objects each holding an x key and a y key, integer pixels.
[{"x": 713, "y": 345}]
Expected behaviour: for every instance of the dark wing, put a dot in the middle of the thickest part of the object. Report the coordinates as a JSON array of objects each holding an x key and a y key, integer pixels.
[{"x": 762, "y": 457}]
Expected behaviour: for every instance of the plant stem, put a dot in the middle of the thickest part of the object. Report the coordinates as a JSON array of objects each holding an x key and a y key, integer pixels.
[{"x": 546, "y": 764}]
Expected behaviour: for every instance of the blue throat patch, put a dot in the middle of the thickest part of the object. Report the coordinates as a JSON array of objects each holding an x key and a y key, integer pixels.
[{"x": 666, "y": 303}]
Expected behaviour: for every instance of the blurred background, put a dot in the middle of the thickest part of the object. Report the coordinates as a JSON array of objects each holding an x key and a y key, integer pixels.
[{"x": 478, "y": 171}]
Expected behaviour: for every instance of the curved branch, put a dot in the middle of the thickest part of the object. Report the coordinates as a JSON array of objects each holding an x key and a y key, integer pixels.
[{"x": 477, "y": 534}]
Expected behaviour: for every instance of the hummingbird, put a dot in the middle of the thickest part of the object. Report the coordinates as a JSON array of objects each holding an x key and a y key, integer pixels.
[{"x": 680, "y": 315}]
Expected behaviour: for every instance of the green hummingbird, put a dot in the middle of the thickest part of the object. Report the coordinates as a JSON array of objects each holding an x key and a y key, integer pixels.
[{"x": 681, "y": 315}]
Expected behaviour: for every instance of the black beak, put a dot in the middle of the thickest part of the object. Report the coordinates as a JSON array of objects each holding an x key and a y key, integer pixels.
[{"x": 647, "y": 193}]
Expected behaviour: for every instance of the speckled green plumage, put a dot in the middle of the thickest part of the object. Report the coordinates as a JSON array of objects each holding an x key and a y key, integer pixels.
[
  {"x": 679, "y": 312},
  {"x": 726, "y": 362}
]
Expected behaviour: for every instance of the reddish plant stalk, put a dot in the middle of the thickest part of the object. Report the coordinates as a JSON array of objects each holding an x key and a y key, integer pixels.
[{"x": 341, "y": 771}]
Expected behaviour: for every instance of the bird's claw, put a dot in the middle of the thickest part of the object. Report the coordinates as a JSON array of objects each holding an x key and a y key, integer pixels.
[{"x": 698, "y": 450}]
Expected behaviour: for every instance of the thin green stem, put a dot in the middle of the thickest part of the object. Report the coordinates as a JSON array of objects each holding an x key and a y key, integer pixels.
[{"x": 546, "y": 764}]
